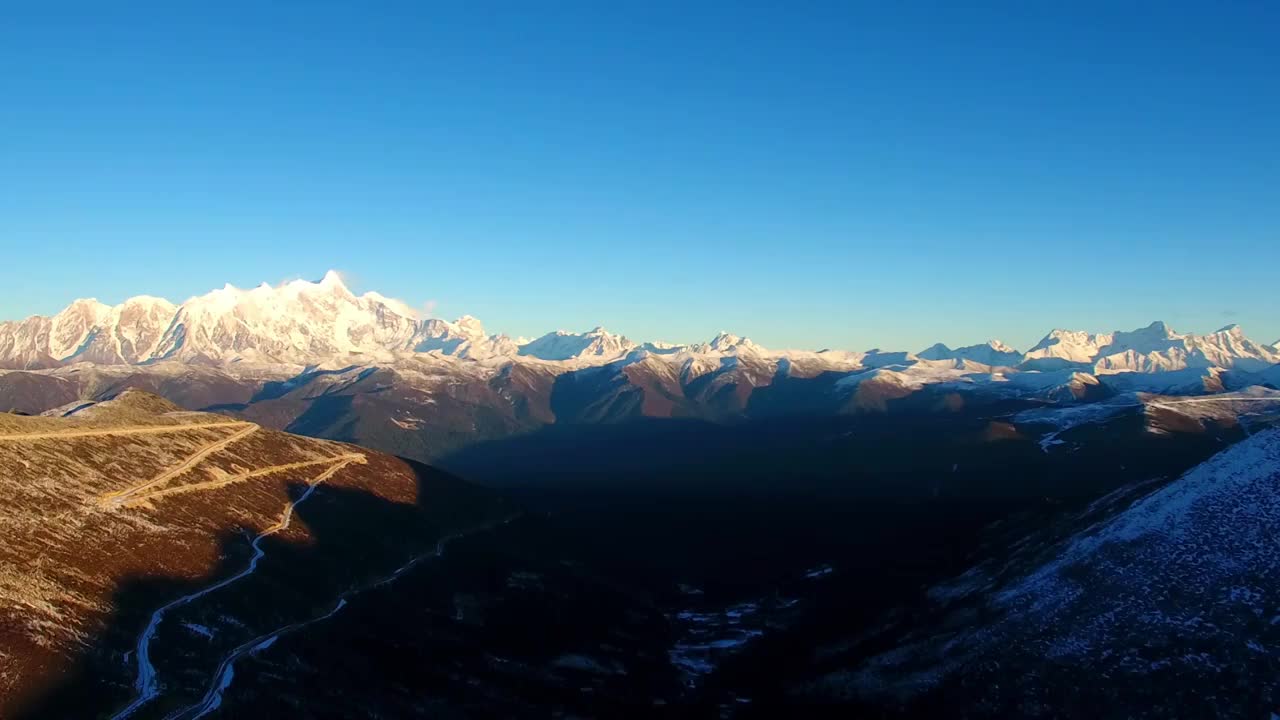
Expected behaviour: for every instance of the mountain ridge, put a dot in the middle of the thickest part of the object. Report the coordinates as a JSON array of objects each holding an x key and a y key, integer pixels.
[
  {"x": 314, "y": 323},
  {"x": 1108, "y": 609}
]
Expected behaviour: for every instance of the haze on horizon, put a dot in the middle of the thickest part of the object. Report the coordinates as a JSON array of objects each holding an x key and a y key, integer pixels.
[{"x": 806, "y": 178}]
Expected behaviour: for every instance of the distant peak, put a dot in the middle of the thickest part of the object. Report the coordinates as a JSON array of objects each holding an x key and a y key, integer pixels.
[
  {"x": 332, "y": 279},
  {"x": 84, "y": 310},
  {"x": 728, "y": 341},
  {"x": 1232, "y": 329},
  {"x": 86, "y": 303},
  {"x": 936, "y": 351},
  {"x": 469, "y": 324},
  {"x": 1158, "y": 326}
]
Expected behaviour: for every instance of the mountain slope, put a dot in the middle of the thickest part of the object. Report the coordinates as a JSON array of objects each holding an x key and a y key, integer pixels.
[
  {"x": 463, "y": 338},
  {"x": 1155, "y": 348},
  {"x": 597, "y": 343},
  {"x": 126, "y": 548},
  {"x": 1152, "y": 608},
  {"x": 993, "y": 352},
  {"x": 296, "y": 322}
]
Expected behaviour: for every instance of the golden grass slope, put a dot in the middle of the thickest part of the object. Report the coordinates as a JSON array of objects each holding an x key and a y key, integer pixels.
[{"x": 135, "y": 487}]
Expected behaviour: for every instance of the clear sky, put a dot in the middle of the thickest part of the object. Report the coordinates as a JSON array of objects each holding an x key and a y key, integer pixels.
[{"x": 809, "y": 174}]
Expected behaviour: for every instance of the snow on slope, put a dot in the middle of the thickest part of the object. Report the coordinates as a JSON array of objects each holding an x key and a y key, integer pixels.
[
  {"x": 1208, "y": 536},
  {"x": 463, "y": 338},
  {"x": 1072, "y": 346},
  {"x": 87, "y": 330},
  {"x": 561, "y": 345},
  {"x": 298, "y": 321},
  {"x": 992, "y": 352},
  {"x": 1180, "y": 590},
  {"x": 1186, "y": 381},
  {"x": 1155, "y": 348},
  {"x": 1065, "y": 418}
]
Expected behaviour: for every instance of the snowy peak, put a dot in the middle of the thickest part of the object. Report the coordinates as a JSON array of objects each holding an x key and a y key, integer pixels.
[
  {"x": 470, "y": 326},
  {"x": 1154, "y": 348},
  {"x": 1230, "y": 347},
  {"x": 1156, "y": 334},
  {"x": 442, "y": 336},
  {"x": 725, "y": 342},
  {"x": 298, "y": 321},
  {"x": 465, "y": 327},
  {"x": 1157, "y": 328},
  {"x": 992, "y": 352},
  {"x": 877, "y": 358},
  {"x": 1232, "y": 329},
  {"x": 597, "y": 343},
  {"x": 332, "y": 280},
  {"x": 936, "y": 351},
  {"x": 1072, "y": 346},
  {"x": 76, "y": 326},
  {"x": 464, "y": 338},
  {"x": 128, "y": 332}
]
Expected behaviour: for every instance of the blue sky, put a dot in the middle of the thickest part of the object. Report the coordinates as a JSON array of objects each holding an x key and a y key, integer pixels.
[{"x": 809, "y": 174}]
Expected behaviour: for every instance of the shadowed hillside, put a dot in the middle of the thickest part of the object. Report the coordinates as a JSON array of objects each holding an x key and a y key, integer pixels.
[{"x": 131, "y": 505}]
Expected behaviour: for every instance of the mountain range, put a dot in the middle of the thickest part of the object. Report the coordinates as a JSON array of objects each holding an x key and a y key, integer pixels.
[
  {"x": 318, "y": 323},
  {"x": 316, "y": 359}
]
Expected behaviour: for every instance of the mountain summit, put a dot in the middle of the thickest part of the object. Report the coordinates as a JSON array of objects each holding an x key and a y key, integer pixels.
[{"x": 993, "y": 352}]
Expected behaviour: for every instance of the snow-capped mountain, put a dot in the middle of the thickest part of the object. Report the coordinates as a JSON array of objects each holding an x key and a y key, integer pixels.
[
  {"x": 1227, "y": 348},
  {"x": 298, "y": 322},
  {"x": 1068, "y": 346},
  {"x": 89, "y": 331},
  {"x": 992, "y": 352},
  {"x": 463, "y": 338},
  {"x": 1155, "y": 348},
  {"x": 725, "y": 342},
  {"x": 421, "y": 386},
  {"x": 324, "y": 323},
  {"x": 597, "y": 343}
]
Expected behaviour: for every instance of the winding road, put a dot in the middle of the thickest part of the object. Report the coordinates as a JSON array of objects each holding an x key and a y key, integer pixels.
[
  {"x": 131, "y": 430},
  {"x": 120, "y": 496},
  {"x": 146, "y": 685},
  {"x": 335, "y": 463},
  {"x": 225, "y": 672}
]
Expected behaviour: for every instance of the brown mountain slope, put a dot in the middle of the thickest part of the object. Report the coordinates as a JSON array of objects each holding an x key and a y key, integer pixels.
[{"x": 130, "y": 520}]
